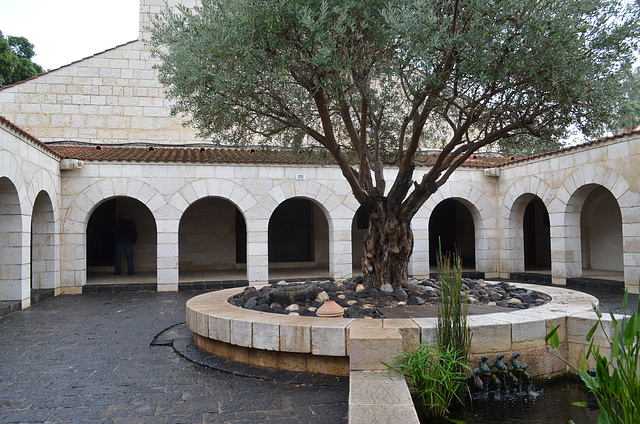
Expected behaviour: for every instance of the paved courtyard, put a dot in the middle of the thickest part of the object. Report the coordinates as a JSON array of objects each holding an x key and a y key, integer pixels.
[{"x": 88, "y": 358}]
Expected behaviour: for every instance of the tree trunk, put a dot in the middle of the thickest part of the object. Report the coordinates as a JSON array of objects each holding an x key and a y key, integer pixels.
[{"x": 387, "y": 248}]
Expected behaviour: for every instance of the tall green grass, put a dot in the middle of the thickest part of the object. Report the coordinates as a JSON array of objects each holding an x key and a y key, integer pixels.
[
  {"x": 436, "y": 375},
  {"x": 452, "y": 329}
]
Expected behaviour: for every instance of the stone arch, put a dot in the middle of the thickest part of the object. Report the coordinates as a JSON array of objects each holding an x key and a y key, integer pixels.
[
  {"x": 338, "y": 209},
  {"x": 12, "y": 170},
  {"x": 87, "y": 200},
  {"x": 228, "y": 190},
  {"x": 479, "y": 207},
  {"x": 601, "y": 232},
  {"x": 101, "y": 243},
  {"x": 212, "y": 239},
  {"x": 572, "y": 197},
  {"x": 332, "y": 205},
  {"x": 11, "y": 242},
  {"x": 44, "y": 264},
  {"x": 512, "y": 212},
  {"x": 452, "y": 226},
  {"x": 74, "y": 239},
  {"x": 298, "y": 236}
]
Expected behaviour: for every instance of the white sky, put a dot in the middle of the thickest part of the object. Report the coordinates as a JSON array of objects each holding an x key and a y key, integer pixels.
[{"x": 64, "y": 31}]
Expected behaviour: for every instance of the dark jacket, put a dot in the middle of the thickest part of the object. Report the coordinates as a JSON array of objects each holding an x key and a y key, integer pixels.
[{"x": 126, "y": 231}]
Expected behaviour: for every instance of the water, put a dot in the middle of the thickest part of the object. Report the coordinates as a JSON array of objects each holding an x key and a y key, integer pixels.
[{"x": 547, "y": 403}]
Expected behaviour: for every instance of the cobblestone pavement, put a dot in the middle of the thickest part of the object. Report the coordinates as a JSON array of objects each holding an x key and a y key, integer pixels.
[{"x": 88, "y": 358}]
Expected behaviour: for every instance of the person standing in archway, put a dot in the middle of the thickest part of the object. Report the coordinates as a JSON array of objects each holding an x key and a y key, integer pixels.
[{"x": 126, "y": 236}]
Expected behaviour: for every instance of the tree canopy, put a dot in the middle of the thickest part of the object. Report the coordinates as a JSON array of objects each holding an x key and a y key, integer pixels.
[
  {"x": 15, "y": 60},
  {"x": 371, "y": 81},
  {"x": 629, "y": 111}
]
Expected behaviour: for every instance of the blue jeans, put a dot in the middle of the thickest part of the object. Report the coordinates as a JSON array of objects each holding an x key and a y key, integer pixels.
[{"x": 127, "y": 249}]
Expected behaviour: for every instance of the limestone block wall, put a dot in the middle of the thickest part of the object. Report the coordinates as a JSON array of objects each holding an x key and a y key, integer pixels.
[
  {"x": 30, "y": 190},
  {"x": 208, "y": 236},
  {"x": 111, "y": 97},
  {"x": 566, "y": 184}
]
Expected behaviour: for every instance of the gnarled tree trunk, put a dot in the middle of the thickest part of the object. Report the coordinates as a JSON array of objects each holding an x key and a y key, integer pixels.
[{"x": 387, "y": 248}]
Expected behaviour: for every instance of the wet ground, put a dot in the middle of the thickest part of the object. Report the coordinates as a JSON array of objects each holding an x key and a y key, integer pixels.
[{"x": 89, "y": 358}]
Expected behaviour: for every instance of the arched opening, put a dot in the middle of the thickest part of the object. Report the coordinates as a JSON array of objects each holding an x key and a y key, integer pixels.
[
  {"x": 212, "y": 242},
  {"x": 537, "y": 237},
  {"x": 298, "y": 240},
  {"x": 451, "y": 226},
  {"x": 101, "y": 244},
  {"x": 601, "y": 236},
  {"x": 359, "y": 227},
  {"x": 10, "y": 242},
  {"x": 43, "y": 251}
]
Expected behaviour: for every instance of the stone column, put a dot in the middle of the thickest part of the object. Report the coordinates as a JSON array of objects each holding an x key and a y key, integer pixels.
[
  {"x": 340, "y": 255},
  {"x": 168, "y": 249},
  {"x": 419, "y": 263},
  {"x": 257, "y": 250}
]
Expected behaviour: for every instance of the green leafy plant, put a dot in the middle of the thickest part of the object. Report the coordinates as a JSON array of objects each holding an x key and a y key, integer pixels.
[
  {"x": 452, "y": 327},
  {"x": 435, "y": 375},
  {"x": 616, "y": 385}
]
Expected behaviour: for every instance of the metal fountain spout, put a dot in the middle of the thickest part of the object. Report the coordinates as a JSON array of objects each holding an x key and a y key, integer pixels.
[{"x": 520, "y": 369}]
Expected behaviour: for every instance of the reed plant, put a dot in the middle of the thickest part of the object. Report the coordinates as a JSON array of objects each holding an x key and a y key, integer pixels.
[
  {"x": 436, "y": 375},
  {"x": 452, "y": 329}
]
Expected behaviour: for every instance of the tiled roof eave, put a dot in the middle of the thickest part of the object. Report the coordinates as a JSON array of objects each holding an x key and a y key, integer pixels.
[{"x": 13, "y": 127}]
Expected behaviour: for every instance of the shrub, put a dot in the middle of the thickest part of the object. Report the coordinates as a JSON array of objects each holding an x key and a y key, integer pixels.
[
  {"x": 435, "y": 374},
  {"x": 616, "y": 385}
]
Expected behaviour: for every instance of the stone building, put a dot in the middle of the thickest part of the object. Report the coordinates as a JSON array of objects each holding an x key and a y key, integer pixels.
[{"x": 80, "y": 143}]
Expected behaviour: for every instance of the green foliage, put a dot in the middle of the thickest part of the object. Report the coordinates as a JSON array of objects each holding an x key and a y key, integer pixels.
[
  {"x": 15, "y": 60},
  {"x": 255, "y": 67},
  {"x": 616, "y": 385},
  {"x": 452, "y": 330},
  {"x": 373, "y": 81},
  {"x": 435, "y": 375},
  {"x": 629, "y": 113}
]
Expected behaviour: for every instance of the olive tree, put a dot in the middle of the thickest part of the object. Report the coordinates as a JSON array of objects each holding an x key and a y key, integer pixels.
[{"x": 365, "y": 80}]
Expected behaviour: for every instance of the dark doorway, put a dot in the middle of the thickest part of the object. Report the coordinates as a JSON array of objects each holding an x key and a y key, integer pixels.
[
  {"x": 451, "y": 226},
  {"x": 537, "y": 236},
  {"x": 101, "y": 242},
  {"x": 291, "y": 232},
  {"x": 100, "y": 247}
]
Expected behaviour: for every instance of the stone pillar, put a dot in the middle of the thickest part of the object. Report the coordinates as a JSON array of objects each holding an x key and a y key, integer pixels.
[
  {"x": 340, "y": 255},
  {"x": 257, "y": 250},
  {"x": 631, "y": 239},
  {"x": 168, "y": 249},
  {"x": 419, "y": 263},
  {"x": 566, "y": 259}
]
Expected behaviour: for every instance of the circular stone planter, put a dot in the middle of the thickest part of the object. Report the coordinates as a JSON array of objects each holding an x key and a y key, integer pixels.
[{"x": 324, "y": 345}]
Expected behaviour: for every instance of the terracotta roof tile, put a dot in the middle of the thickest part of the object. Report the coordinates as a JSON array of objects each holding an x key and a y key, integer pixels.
[
  {"x": 28, "y": 136},
  {"x": 163, "y": 154},
  {"x": 227, "y": 155},
  {"x": 178, "y": 154}
]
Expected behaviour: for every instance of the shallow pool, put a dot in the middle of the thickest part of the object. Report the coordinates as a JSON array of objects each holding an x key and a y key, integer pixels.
[{"x": 547, "y": 403}]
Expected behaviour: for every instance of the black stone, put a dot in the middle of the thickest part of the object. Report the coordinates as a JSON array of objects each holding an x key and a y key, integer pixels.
[
  {"x": 400, "y": 294},
  {"x": 415, "y": 300}
]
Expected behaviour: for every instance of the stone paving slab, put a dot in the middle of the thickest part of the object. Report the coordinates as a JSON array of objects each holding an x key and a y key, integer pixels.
[{"x": 88, "y": 358}]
